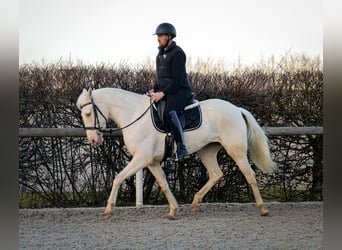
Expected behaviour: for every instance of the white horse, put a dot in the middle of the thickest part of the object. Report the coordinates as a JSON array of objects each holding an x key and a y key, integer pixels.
[{"x": 223, "y": 125}]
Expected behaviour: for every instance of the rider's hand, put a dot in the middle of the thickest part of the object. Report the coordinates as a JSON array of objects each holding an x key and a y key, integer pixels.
[
  {"x": 150, "y": 92},
  {"x": 156, "y": 97}
]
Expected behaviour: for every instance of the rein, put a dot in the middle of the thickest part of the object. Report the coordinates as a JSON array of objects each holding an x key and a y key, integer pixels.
[{"x": 97, "y": 121}]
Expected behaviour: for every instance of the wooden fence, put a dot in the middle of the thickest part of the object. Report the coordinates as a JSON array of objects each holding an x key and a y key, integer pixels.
[{"x": 80, "y": 132}]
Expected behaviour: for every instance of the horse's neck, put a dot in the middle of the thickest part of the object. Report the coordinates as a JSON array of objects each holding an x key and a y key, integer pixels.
[{"x": 123, "y": 106}]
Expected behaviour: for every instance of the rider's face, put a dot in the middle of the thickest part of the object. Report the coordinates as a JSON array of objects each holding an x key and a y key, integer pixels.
[{"x": 162, "y": 40}]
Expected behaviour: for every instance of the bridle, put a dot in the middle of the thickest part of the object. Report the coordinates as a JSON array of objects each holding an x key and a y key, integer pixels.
[
  {"x": 96, "y": 116},
  {"x": 97, "y": 111}
]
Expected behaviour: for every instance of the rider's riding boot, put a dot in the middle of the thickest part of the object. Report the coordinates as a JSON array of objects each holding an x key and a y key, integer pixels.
[{"x": 176, "y": 127}]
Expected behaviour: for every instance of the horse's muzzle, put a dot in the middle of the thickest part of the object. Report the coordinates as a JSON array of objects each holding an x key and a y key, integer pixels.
[{"x": 95, "y": 138}]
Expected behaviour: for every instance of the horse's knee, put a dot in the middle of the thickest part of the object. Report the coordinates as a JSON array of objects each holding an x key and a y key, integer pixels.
[{"x": 118, "y": 180}]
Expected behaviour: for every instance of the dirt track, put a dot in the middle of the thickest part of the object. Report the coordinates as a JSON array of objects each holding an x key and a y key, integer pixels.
[{"x": 216, "y": 226}]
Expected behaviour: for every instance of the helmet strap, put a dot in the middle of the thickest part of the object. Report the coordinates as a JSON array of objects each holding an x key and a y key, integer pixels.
[{"x": 167, "y": 43}]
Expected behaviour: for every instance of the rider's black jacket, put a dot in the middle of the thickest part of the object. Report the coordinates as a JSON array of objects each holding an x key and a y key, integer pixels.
[{"x": 171, "y": 72}]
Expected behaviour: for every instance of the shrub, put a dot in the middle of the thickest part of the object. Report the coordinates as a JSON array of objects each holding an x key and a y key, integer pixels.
[{"x": 68, "y": 172}]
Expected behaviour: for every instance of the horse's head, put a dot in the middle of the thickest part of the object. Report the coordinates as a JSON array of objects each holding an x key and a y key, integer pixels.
[{"x": 92, "y": 121}]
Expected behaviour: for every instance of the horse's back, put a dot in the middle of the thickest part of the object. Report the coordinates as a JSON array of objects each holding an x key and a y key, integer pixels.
[
  {"x": 219, "y": 106},
  {"x": 223, "y": 116}
]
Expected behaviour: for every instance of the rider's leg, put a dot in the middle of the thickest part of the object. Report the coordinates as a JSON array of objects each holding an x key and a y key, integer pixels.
[{"x": 177, "y": 130}]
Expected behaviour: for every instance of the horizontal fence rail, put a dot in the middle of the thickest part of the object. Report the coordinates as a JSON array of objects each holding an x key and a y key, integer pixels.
[{"x": 80, "y": 132}]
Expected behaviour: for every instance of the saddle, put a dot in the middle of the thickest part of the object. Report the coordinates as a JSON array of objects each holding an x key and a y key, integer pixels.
[{"x": 190, "y": 118}]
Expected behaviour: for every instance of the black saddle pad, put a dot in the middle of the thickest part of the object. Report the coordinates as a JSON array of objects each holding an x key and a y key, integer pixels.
[{"x": 191, "y": 119}]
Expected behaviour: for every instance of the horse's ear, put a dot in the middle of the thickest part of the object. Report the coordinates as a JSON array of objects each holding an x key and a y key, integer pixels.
[{"x": 89, "y": 91}]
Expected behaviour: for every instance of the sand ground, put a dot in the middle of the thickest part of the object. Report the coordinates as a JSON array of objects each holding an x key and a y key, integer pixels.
[{"x": 215, "y": 226}]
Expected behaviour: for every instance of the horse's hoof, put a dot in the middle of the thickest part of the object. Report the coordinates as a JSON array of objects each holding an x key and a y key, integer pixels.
[
  {"x": 262, "y": 210},
  {"x": 107, "y": 215},
  {"x": 194, "y": 209},
  {"x": 264, "y": 213},
  {"x": 170, "y": 217}
]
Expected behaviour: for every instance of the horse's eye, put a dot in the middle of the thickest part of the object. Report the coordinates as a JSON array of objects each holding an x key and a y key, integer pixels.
[{"x": 87, "y": 114}]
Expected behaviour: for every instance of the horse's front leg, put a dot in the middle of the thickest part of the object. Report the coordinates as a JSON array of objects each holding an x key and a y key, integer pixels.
[
  {"x": 133, "y": 167},
  {"x": 159, "y": 174}
]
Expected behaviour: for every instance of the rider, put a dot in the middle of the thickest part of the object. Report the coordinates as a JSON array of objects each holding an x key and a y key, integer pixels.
[{"x": 172, "y": 83}]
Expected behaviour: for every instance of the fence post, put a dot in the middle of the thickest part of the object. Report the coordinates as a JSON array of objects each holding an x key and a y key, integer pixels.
[{"x": 139, "y": 188}]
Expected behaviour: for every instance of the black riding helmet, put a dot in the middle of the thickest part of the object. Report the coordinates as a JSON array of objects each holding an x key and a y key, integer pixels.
[{"x": 166, "y": 29}]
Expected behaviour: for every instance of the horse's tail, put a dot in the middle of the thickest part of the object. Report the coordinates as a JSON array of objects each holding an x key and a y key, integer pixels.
[{"x": 258, "y": 144}]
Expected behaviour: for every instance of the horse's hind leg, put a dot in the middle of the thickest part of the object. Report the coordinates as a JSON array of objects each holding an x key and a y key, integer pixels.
[
  {"x": 244, "y": 166},
  {"x": 159, "y": 174},
  {"x": 208, "y": 156}
]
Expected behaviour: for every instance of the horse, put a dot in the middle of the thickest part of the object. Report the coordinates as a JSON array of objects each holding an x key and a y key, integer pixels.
[{"x": 224, "y": 125}]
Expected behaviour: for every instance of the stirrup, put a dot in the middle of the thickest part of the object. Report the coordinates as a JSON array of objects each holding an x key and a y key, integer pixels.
[{"x": 175, "y": 157}]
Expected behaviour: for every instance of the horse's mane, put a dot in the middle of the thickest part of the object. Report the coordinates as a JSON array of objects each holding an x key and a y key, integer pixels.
[{"x": 117, "y": 90}]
